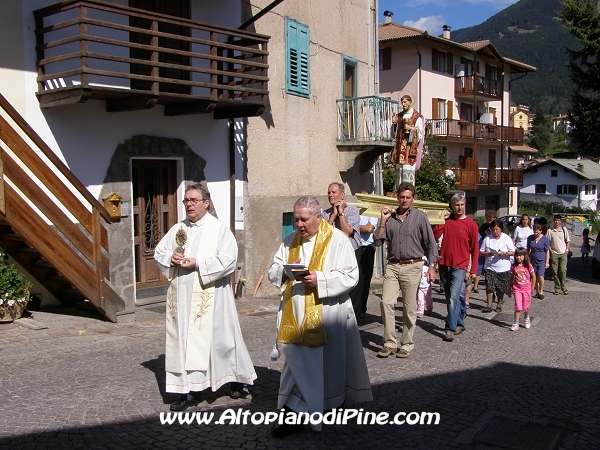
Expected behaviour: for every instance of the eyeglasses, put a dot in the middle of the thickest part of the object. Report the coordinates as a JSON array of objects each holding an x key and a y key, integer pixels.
[{"x": 193, "y": 201}]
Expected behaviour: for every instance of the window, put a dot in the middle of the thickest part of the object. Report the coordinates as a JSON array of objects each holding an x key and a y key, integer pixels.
[
  {"x": 297, "y": 58},
  {"x": 466, "y": 112},
  {"x": 554, "y": 173},
  {"x": 442, "y": 61},
  {"x": 349, "y": 88},
  {"x": 441, "y": 109},
  {"x": 566, "y": 189},
  {"x": 493, "y": 74},
  {"x": 385, "y": 59},
  {"x": 468, "y": 152},
  {"x": 590, "y": 189},
  {"x": 540, "y": 188}
]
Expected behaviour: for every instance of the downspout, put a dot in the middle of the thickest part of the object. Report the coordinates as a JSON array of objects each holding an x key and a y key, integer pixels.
[
  {"x": 369, "y": 50},
  {"x": 502, "y": 135},
  {"x": 502, "y": 120},
  {"x": 476, "y": 109},
  {"x": 419, "y": 77},
  {"x": 231, "y": 126},
  {"x": 376, "y": 68}
]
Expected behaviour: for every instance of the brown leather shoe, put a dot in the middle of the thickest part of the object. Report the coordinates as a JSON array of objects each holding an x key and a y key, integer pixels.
[
  {"x": 386, "y": 351},
  {"x": 458, "y": 331},
  {"x": 448, "y": 337},
  {"x": 402, "y": 353}
]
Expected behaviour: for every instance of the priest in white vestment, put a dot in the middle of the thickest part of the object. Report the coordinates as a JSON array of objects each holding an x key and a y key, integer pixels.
[
  {"x": 317, "y": 330},
  {"x": 204, "y": 343}
]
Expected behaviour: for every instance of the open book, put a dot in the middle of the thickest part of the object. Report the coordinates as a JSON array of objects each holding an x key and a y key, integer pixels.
[{"x": 295, "y": 271}]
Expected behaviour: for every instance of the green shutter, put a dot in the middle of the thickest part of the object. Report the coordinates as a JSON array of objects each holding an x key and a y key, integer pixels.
[
  {"x": 287, "y": 224},
  {"x": 297, "y": 61}
]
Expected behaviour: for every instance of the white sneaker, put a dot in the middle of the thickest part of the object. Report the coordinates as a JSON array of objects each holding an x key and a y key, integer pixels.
[
  {"x": 515, "y": 327},
  {"x": 527, "y": 322}
]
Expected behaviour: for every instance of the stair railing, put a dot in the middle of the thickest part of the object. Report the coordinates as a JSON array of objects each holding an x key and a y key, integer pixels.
[{"x": 29, "y": 172}]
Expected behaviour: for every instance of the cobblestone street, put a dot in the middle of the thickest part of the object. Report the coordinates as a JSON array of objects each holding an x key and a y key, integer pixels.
[{"x": 86, "y": 383}]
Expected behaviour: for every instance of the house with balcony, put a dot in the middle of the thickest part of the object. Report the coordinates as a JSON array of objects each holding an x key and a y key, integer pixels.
[
  {"x": 108, "y": 109},
  {"x": 463, "y": 91},
  {"x": 572, "y": 182}
]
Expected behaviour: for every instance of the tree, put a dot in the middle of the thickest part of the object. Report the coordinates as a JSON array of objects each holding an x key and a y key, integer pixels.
[
  {"x": 581, "y": 18},
  {"x": 432, "y": 181},
  {"x": 540, "y": 131}
]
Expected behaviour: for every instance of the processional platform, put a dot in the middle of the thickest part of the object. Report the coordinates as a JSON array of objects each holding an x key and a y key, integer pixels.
[{"x": 371, "y": 205}]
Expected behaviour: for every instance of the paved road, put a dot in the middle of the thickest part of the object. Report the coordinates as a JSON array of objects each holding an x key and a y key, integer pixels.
[{"x": 86, "y": 383}]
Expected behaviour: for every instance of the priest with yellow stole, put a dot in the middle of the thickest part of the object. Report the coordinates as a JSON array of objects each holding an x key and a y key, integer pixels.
[
  {"x": 204, "y": 348},
  {"x": 317, "y": 330}
]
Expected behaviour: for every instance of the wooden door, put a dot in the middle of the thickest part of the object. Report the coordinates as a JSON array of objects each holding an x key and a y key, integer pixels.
[
  {"x": 176, "y": 8},
  {"x": 154, "y": 213}
]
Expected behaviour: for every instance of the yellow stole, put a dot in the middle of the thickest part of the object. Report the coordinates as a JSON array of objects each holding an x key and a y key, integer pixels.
[{"x": 312, "y": 332}]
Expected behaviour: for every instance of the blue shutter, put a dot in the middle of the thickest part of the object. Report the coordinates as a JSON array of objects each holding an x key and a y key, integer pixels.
[{"x": 297, "y": 62}]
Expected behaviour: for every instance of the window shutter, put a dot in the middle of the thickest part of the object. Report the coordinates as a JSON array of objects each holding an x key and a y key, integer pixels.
[
  {"x": 297, "y": 58},
  {"x": 450, "y": 63},
  {"x": 450, "y": 109},
  {"x": 488, "y": 71},
  {"x": 434, "y": 108},
  {"x": 434, "y": 59}
]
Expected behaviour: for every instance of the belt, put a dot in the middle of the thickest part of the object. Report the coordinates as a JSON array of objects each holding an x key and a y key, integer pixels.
[{"x": 404, "y": 261}]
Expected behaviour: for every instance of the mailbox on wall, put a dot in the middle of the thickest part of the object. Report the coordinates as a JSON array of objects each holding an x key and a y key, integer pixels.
[{"x": 113, "y": 203}]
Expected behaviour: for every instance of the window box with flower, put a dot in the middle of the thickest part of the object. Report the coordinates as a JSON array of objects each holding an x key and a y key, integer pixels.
[{"x": 14, "y": 290}]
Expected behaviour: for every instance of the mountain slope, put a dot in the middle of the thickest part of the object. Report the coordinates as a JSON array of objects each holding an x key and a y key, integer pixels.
[{"x": 530, "y": 31}]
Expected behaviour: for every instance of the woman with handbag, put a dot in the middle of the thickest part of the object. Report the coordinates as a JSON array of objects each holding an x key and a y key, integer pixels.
[{"x": 497, "y": 247}]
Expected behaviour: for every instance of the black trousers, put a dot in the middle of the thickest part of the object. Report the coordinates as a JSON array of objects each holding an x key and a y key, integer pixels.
[
  {"x": 356, "y": 292},
  {"x": 367, "y": 261}
]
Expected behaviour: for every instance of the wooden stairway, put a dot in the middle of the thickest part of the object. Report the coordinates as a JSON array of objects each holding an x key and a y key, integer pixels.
[{"x": 49, "y": 221}]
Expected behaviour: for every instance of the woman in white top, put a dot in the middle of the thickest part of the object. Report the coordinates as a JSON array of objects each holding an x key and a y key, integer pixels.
[
  {"x": 522, "y": 232},
  {"x": 497, "y": 247}
]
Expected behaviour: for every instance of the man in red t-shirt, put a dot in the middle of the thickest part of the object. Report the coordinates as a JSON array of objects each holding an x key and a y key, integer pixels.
[{"x": 460, "y": 246}]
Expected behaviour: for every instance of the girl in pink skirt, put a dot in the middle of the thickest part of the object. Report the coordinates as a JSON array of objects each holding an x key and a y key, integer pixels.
[{"x": 522, "y": 281}]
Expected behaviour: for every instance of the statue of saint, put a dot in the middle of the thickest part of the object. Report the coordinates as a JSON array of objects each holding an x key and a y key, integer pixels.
[{"x": 409, "y": 142}]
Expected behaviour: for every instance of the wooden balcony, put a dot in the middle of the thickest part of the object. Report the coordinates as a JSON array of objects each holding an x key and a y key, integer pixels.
[
  {"x": 444, "y": 129},
  {"x": 469, "y": 85},
  {"x": 471, "y": 177},
  {"x": 135, "y": 59}
]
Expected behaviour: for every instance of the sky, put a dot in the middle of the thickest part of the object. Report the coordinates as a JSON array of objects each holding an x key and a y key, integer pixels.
[{"x": 431, "y": 15}]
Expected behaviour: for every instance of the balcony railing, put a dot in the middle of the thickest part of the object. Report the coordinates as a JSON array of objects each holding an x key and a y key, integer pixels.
[
  {"x": 471, "y": 84},
  {"x": 366, "y": 120},
  {"x": 461, "y": 129},
  {"x": 135, "y": 59},
  {"x": 472, "y": 179}
]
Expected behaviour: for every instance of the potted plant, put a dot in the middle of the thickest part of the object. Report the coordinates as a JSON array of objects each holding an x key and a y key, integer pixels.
[{"x": 14, "y": 290}]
